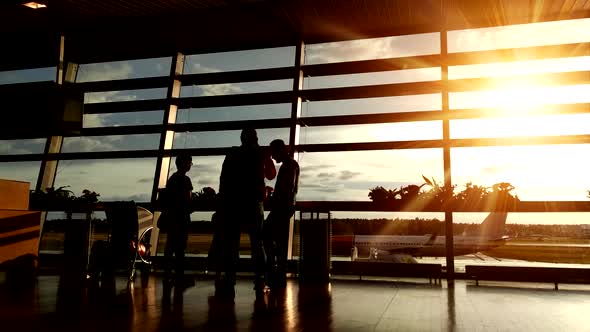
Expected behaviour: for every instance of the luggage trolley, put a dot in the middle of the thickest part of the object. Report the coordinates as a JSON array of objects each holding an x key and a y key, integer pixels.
[{"x": 127, "y": 243}]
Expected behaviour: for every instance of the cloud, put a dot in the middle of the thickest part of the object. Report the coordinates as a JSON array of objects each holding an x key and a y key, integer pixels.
[
  {"x": 315, "y": 167},
  {"x": 347, "y": 175},
  {"x": 146, "y": 180},
  {"x": 105, "y": 72},
  {"x": 326, "y": 175},
  {"x": 134, "y": 197}
]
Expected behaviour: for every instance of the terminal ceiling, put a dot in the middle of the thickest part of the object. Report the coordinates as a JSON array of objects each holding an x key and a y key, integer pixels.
[{"x": 110, "y": 30}]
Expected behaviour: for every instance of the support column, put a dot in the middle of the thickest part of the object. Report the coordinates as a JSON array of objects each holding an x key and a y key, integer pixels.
[
  {"x": 449, "y": 243},
  {"x": 66, "y": 72},
  {"x": 294, "y": 126},
  {"x": 166, "y": 140}
]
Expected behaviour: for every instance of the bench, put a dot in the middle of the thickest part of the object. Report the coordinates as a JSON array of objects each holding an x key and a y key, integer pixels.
[
  {"x": 554, "y": 275},
  {"x": 388, "y": 269}
]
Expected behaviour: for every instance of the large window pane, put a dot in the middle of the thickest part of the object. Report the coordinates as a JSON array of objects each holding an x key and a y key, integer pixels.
[
  {"x": 375, "y": 48},
  {"x": 523, "y": 35},
  {"x": 521, "y": 98},
  {"x": 520, "y": 68},
  {"x": 22, "y": 146},
  {"x": 349, "y": 176},
  {"x": 26, "y": 171},
  {"x": 552, "y": 172},
  {"x": 226, "y": 138},
  {"x": 236, "y": 88},
  {"x": 384, "y": 77},
  {"x": 107, "y": 71},
  {"x": 240, "y": 60},
  {"x": 123, "y": 119},
  {"x": 234, "y": 113},
  {"x": 111, "y": 143},
  {"x": 124, "y": 95},
  {"x": 28, "y": 75},
  {"x": 380, "y": 132},
  {"x": 114, "y": 180},
  {"x": 416, "y": 103},
  {"x": 573, "y": 124},
  {"x": 531, "y": 240}
]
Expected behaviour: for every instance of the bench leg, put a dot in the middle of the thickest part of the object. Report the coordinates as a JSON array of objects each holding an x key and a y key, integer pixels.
[{"x": 556, "y": 288}]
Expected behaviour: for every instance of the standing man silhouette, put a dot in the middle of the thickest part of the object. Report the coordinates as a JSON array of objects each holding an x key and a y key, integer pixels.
[
  {"x": 282, "y": 208},
  {"x": 242, "y": 191}
]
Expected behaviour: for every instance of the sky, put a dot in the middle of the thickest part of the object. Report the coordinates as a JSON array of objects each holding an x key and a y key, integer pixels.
[{"x": 557, "y": 172}]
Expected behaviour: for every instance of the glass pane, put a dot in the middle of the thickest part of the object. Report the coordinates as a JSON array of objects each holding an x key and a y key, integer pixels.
[
  {"x": 226, "y": 138},
  {"x": 380, "y": 132},
  {"x": 551, "y": 172},
  {"x": 107, "y": 71},
  {"x": 114, "y": 180},
  {"x": 416, "y": 103},
  {"x": 240, "y": 60},
  {"x": 520, "y": 68},
  {"x": 384, "y": 77},
  {"x": 204, "y": 173},
  {"x": 375, "y": 48},
  {"x": 523, "y": 35},
  {"x": 349, "y": 176},
  {"x": 26, "y": 171},
  {"x": 234, "y": 113},
  {"x": 123, "y": 119},
  {"x": 22, "y": 146},
  {"x": 530, "y": 240},
  {"x": 126, "y": 95},
  {"x": 572, "y": 124},
  {"x": 28, "y": 75},
  {"x": 111, "y": 143},
  {"x": 236, "y": 88},
  {"x": 521, "y": 98}
]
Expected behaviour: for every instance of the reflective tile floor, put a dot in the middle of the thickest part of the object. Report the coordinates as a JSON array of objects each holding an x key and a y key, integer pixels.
[{"x": 53, "y": 304}]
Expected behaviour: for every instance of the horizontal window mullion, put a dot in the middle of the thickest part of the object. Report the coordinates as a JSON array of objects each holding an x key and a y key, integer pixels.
[
  {"x": 230, "y": 125},
  {"x": 124, "y": 84},
  {"x": 21, "y": 157},
  {"x": 103, "y": 155},
  {"x": 368, "y": 66},
  {"x": 126, "y": 106},
  {"x": 371, "y": 118},
  {"x": 255, "y": 75},
  {"x": 371, "y": 91}
]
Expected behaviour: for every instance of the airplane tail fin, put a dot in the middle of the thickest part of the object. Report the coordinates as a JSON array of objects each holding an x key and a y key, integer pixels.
[{"x": 493, "y": 225}]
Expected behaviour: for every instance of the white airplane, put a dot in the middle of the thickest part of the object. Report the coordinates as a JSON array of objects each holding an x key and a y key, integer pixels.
[{"x": 403, "y": 249}]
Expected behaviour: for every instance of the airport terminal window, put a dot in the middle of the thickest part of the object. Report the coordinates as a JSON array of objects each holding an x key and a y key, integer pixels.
[
  {"x": 107, "y": 71},
  {"x": 111, "y": 143},
  {"x": 382, "y": 77},
  {"x": 233, "y": 113},
  {"x": 26, "y": 171},
  {"x": 204, "y": 173},
  {"x": 554, "y": 125},
  {"x": 22, "y": 146},
  {"x": 113, "y": 179},
  {"x": 374, "y": 48},
  {"x": 240, "y": 60},
  {"x": 236, "y": 88},
  {"x": 544, "y": 172},
  {"x": 28, "y": 75},
  {"x": 378, "y": 132},
  {"x": 349, "y": 176},
  {"x": 123, "y": 119},
  {"x": 413, "y": 103},
  {"x": 225, "y": 138},
  {"x": 529, "y": 240},
  {"x": 124, "y": 95},
  {"x": 522, "y": 35}
]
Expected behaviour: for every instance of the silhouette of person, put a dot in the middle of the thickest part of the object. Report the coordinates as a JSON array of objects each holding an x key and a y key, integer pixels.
[
  {"x": 178, "y": 209},
  {"x": 282, "y": 208},
  {"x": 242, "y": 191}
]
